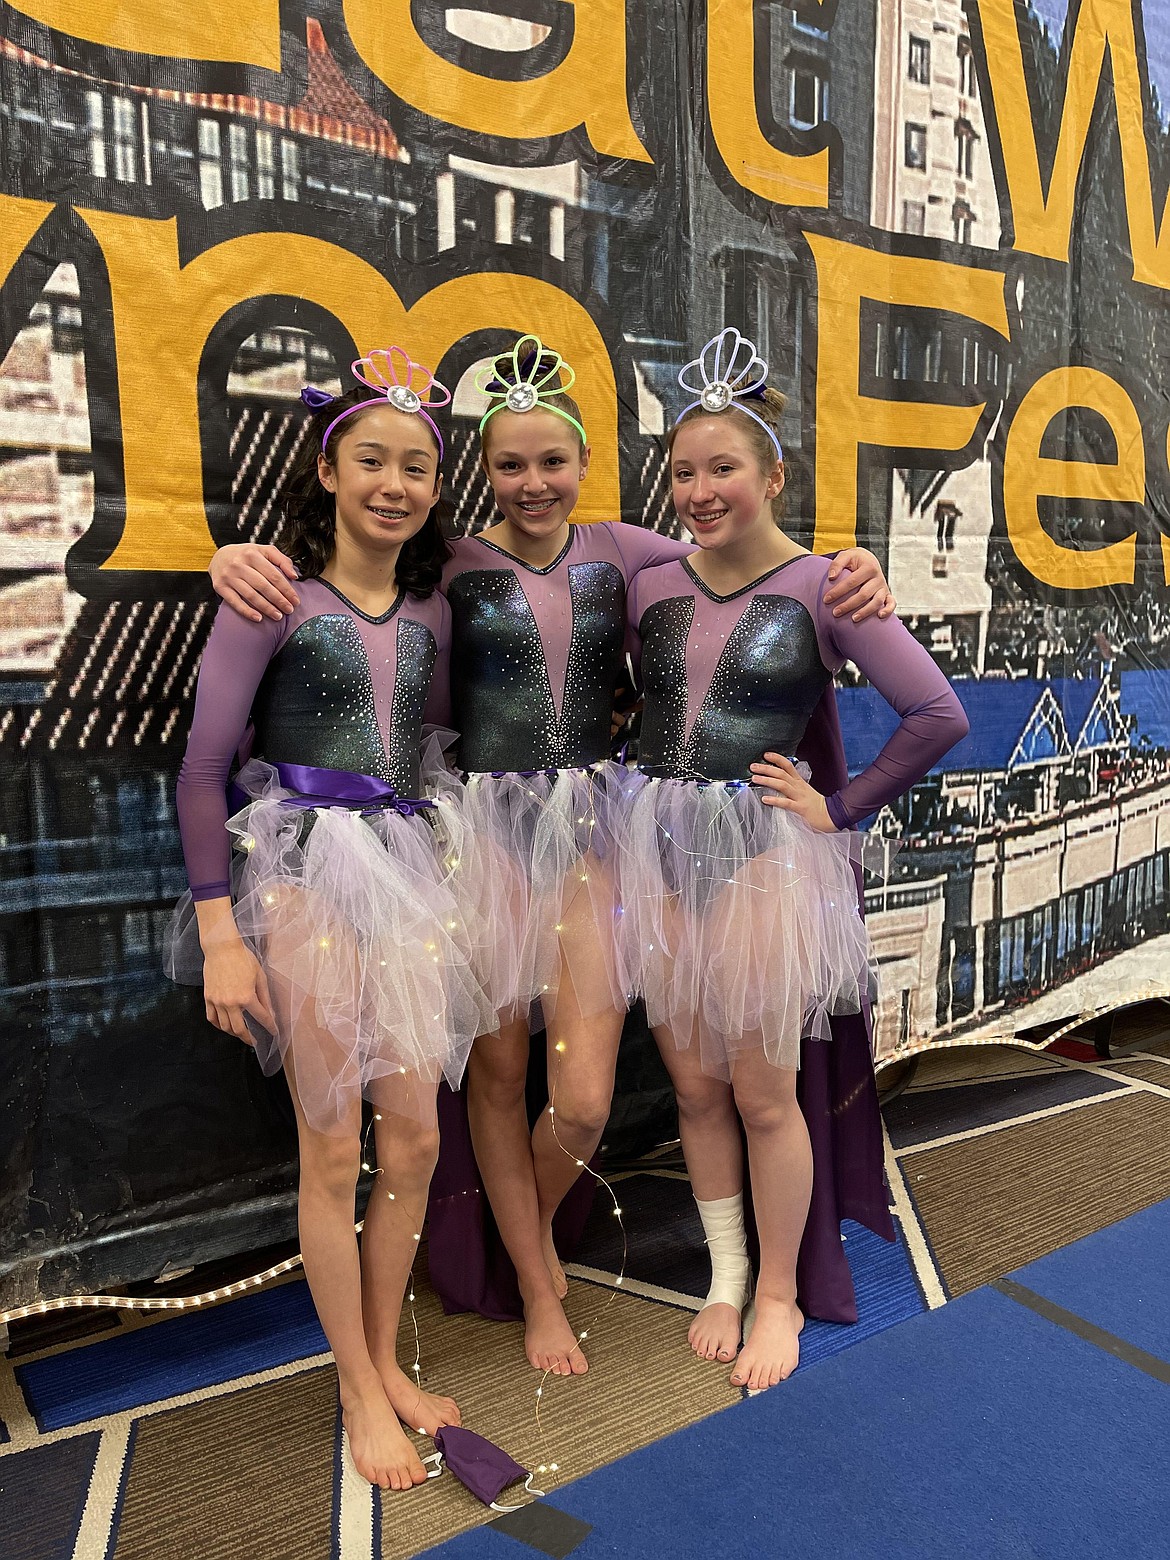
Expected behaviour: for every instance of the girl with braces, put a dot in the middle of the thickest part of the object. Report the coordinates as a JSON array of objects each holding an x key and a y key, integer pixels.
[{"x": 741, "y": 925}]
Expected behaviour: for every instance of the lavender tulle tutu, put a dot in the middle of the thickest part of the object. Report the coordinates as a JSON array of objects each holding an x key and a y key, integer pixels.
[
  {"x": 370, "y": 965},
  {"x": 740, "y": 924},
  {"x": 539, "y": 871}
]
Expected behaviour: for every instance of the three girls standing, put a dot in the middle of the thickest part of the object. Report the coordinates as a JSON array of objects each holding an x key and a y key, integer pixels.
[{"x": 539, "y": 618}]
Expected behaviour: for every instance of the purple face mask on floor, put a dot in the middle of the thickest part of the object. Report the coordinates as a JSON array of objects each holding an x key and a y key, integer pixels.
[{"x": 477, "y": 1463}]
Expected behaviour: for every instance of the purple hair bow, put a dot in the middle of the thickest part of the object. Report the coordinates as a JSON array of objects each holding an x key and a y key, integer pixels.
[{"x": 315, "y": 399}]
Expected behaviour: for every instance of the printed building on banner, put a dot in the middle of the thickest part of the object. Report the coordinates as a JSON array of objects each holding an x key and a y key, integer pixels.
[
  {"x": 755, "y": 273},
  {"x": 933, "y": 178},
  {"x": 1037, "y": 851}
]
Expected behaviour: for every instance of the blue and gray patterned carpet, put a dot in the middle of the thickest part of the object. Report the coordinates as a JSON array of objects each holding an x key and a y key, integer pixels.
[{"x": 214, "y": 1434}]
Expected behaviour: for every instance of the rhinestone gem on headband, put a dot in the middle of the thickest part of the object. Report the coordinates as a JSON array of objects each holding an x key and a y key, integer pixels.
[
  {"x": 402, "y": 383},
  {"x": 524, "y": 380},
  {"x": 730, "y": 370}
]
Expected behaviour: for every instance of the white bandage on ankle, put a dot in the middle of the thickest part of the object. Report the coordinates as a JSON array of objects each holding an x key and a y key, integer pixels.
[{"x": 731, "y": 1271}]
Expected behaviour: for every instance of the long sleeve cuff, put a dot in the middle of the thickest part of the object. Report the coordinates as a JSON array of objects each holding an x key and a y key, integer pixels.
[{"x": 838, "y": 812}]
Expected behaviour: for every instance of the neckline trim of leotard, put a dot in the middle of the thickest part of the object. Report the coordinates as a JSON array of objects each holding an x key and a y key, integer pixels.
[
  {"x": 531, "y": 567},
  {"x": 743, "y": 589},
  {"x": 353, "y": 607}
]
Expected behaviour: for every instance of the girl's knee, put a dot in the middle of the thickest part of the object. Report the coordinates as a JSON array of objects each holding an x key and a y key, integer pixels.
[
  {"x": 330, "y": 1164},
  {"x": 409, "y": 1143},
  {"x": 700, "y": 1098},
  {"x": 423, "y": 1146},
  {"x": 496, "y": 1080},
  {"x": 583, "y": 1112},
  {"x": 768, "y": 1104}
]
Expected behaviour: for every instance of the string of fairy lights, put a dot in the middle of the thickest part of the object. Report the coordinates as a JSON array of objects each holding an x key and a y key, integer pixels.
[
  {"x": 241, "y": 1286},
  {"x": 171, "y": 1303}
]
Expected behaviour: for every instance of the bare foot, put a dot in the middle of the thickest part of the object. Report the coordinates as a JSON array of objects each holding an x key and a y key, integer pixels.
[
  {"x": 553, "y": 1263},
  {"x": 772, "y": 1350},
  {"x": 380, "y": 1451},
  {"x": 715, "y": 1332},
  {"x": 549, "y": 1342},
  {"x": 423, "y": 1411}
]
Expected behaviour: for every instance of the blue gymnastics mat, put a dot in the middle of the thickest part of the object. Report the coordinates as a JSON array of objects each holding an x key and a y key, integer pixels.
[
  {"x": 1118, "y": 1279},
  {"x": 980, "y": 1431}
]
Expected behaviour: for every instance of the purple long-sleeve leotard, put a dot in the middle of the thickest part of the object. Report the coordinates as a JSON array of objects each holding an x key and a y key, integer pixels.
[
  {"x": 537, "y": 653},
  {"x": 728, "y": 678},
  {"x": 328, "y": 687}
]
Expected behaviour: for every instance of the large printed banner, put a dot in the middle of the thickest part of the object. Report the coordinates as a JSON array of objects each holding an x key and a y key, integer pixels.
[{"x": 943, "y": 222}]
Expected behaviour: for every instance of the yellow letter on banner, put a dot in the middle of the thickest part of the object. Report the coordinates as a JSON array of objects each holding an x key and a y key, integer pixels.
[
  {"x": 587, "y": 88},
  {"x": 164, "y": 314},
  {"x": 1043, "y": 221},
  {"x": 19, "y": 220},
  {"x": 246, "y": 32},
  {"x": 750, "y": 157},
  {"x": 846, "y": 419},
  {"x": 1027, "y": 475}
]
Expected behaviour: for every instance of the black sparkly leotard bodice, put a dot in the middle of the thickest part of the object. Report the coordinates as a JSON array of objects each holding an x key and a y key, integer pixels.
[{"x": 536, "y": 653}]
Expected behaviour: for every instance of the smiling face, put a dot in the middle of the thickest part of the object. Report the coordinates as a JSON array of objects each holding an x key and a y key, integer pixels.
[
  {"x": 535, "y": 463},
  {"x": 384, "y": 476},
  {"x": 720, "y": 490}
]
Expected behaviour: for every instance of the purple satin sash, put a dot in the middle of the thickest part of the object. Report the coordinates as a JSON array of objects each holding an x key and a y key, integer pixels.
[{"x": 340, "y": 788}]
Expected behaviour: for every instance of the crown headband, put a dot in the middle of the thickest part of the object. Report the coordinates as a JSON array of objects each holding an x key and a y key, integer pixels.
[
  {"x": 730, "y": 370},
  {"x": 525, "y": 381},
  {"x": 402, "y": 383}
]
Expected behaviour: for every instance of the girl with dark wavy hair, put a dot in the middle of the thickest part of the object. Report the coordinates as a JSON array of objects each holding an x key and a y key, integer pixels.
[{"x": 330, "y": 939}]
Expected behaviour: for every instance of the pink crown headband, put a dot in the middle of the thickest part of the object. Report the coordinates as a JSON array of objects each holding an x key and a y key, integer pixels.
[
  {"x": 730, "y": 370},
  {"x": 402, "y": 383}
]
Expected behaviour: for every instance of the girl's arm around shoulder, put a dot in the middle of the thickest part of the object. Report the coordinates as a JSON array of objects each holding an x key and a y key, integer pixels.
[
  {"x": 640, "y": 548},
  {"x": 932, "y": 718},
  {"x": 856, "y": 586},
  {"x": 255, "y": 581}
]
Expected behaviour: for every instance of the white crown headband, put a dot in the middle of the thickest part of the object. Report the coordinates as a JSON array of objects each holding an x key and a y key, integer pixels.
[
  {"x": 730, "y": 370},
  {"x": 405, "y": 385},
  {"x": 525, "y": 379}
]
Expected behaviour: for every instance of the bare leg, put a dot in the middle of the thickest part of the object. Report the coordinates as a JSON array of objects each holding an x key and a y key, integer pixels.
[
  {"x": 583, "y": 1044},
  {"x": 781, "y": 1167},
  {"x": 325, "y": 1209},
  {"x": 407, "y": 1150},
  {"x": 581, "y": 1063},
  {"x": 503, "y": 1151},
  {"x": 329, "y": 1163},
  {"x": 713, "y": 1149}
]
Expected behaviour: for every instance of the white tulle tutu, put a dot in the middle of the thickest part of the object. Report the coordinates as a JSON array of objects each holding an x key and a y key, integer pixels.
[
  {"x": 740, "y": 924},
  {"x": 369, "y": 962},
  {"x": 539, "y": 873}
]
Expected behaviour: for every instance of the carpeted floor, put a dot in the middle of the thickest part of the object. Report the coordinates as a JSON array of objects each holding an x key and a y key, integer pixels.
[
  {"x": 1001, "y": 1156},
  {"x": 215, "y": 1434},
  {"x": 1027, "y": 1420}
]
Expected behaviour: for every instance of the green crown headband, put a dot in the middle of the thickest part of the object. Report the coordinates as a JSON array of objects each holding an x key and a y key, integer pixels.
[{"x": 525, "y": 380}]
